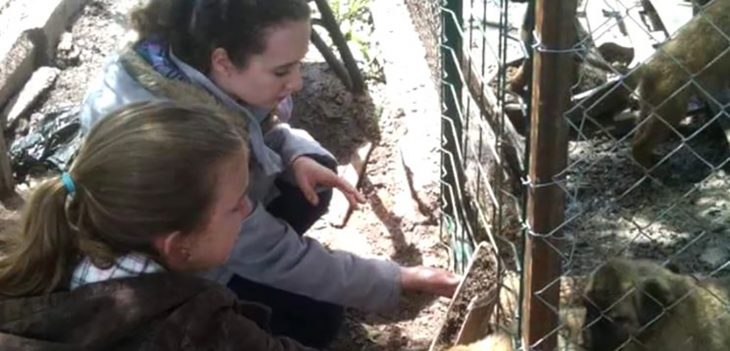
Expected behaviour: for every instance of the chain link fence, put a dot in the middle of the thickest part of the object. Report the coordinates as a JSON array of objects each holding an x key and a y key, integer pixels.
[{"x": 576, "y": 133}]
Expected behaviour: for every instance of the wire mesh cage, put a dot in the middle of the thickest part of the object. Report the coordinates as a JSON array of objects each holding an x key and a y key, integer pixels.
[
  {"x": 586, "y": 142},
  {"x": 645, "y": 176}
]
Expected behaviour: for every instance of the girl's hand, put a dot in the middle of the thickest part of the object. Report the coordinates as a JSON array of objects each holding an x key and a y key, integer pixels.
[
  {"x": 430, "y": 280},
  {"x": 309, "y": 174}
]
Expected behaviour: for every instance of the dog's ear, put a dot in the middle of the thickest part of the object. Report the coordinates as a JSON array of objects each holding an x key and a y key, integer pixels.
[
  {"x": 673, "y": 267},
  {"x": 654, "y": 297}
]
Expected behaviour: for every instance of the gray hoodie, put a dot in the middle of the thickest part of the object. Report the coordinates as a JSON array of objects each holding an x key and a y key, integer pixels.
[{"x": 268, "y": 250}]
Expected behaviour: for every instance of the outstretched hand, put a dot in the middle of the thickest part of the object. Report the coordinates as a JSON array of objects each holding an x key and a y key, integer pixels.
[
  {"x": 430, "y": 280},
  {"x": 309, "y": 174}
]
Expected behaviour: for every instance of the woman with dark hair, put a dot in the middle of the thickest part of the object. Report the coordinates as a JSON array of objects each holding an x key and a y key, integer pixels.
[{"x": 245, "y": 56}]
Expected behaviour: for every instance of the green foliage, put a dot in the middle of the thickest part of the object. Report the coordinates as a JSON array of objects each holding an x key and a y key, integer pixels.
[
  {"x": 348, "y": 10},
  {"x": 353, "y": 18}
]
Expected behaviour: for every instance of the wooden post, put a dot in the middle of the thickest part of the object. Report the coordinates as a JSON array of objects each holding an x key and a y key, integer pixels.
[
  {"x": 331, "y": 60},
  {"x": 553, "y": 72}
]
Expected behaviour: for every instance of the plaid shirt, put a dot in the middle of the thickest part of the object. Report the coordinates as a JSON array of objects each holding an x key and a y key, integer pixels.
[{"x": 130, "y": 265}]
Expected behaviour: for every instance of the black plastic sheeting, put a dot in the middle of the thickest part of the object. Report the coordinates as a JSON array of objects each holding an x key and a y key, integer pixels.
[{"x": 50, "y": 146}]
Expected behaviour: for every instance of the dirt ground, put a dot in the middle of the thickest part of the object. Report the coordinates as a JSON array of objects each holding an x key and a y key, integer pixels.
[{"x": 389, "y": 225}]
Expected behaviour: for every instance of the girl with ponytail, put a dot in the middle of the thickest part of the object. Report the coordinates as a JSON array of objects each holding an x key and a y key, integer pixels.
[{"x": 108, "y": 253}]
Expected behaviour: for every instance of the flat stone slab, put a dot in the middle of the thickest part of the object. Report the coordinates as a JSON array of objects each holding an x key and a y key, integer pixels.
[
  {"x": 29, "y": 33},
  {"x": 16, "y": 66},
  {"x": 38, "y": 84},
  {"x": 53, "y": 18}
]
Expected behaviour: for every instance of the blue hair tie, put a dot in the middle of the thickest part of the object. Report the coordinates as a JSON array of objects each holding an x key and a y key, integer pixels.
[{"x": 68, "y": 182}]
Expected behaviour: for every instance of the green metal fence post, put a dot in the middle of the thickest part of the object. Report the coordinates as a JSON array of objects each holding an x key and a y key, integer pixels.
[{"x": 451, "y": 89}]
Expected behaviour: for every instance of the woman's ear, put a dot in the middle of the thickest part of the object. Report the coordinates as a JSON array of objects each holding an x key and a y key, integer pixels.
[
  {"x": 174, "y": 249},
  {"x": 220, "y": 63}
]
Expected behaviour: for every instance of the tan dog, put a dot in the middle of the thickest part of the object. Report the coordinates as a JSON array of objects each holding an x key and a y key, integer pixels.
[
  {"x": 640, "y": 305},
  {"x": 699, "y": 54},
  {"x": 493, "y": 342}
]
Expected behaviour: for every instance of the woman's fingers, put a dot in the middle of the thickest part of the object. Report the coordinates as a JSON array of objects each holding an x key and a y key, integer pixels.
[{"x": 430, "y": 280}]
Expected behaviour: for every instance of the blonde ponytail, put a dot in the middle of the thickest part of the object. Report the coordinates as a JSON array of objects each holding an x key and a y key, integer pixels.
[{"x": 37, "y": 259}]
